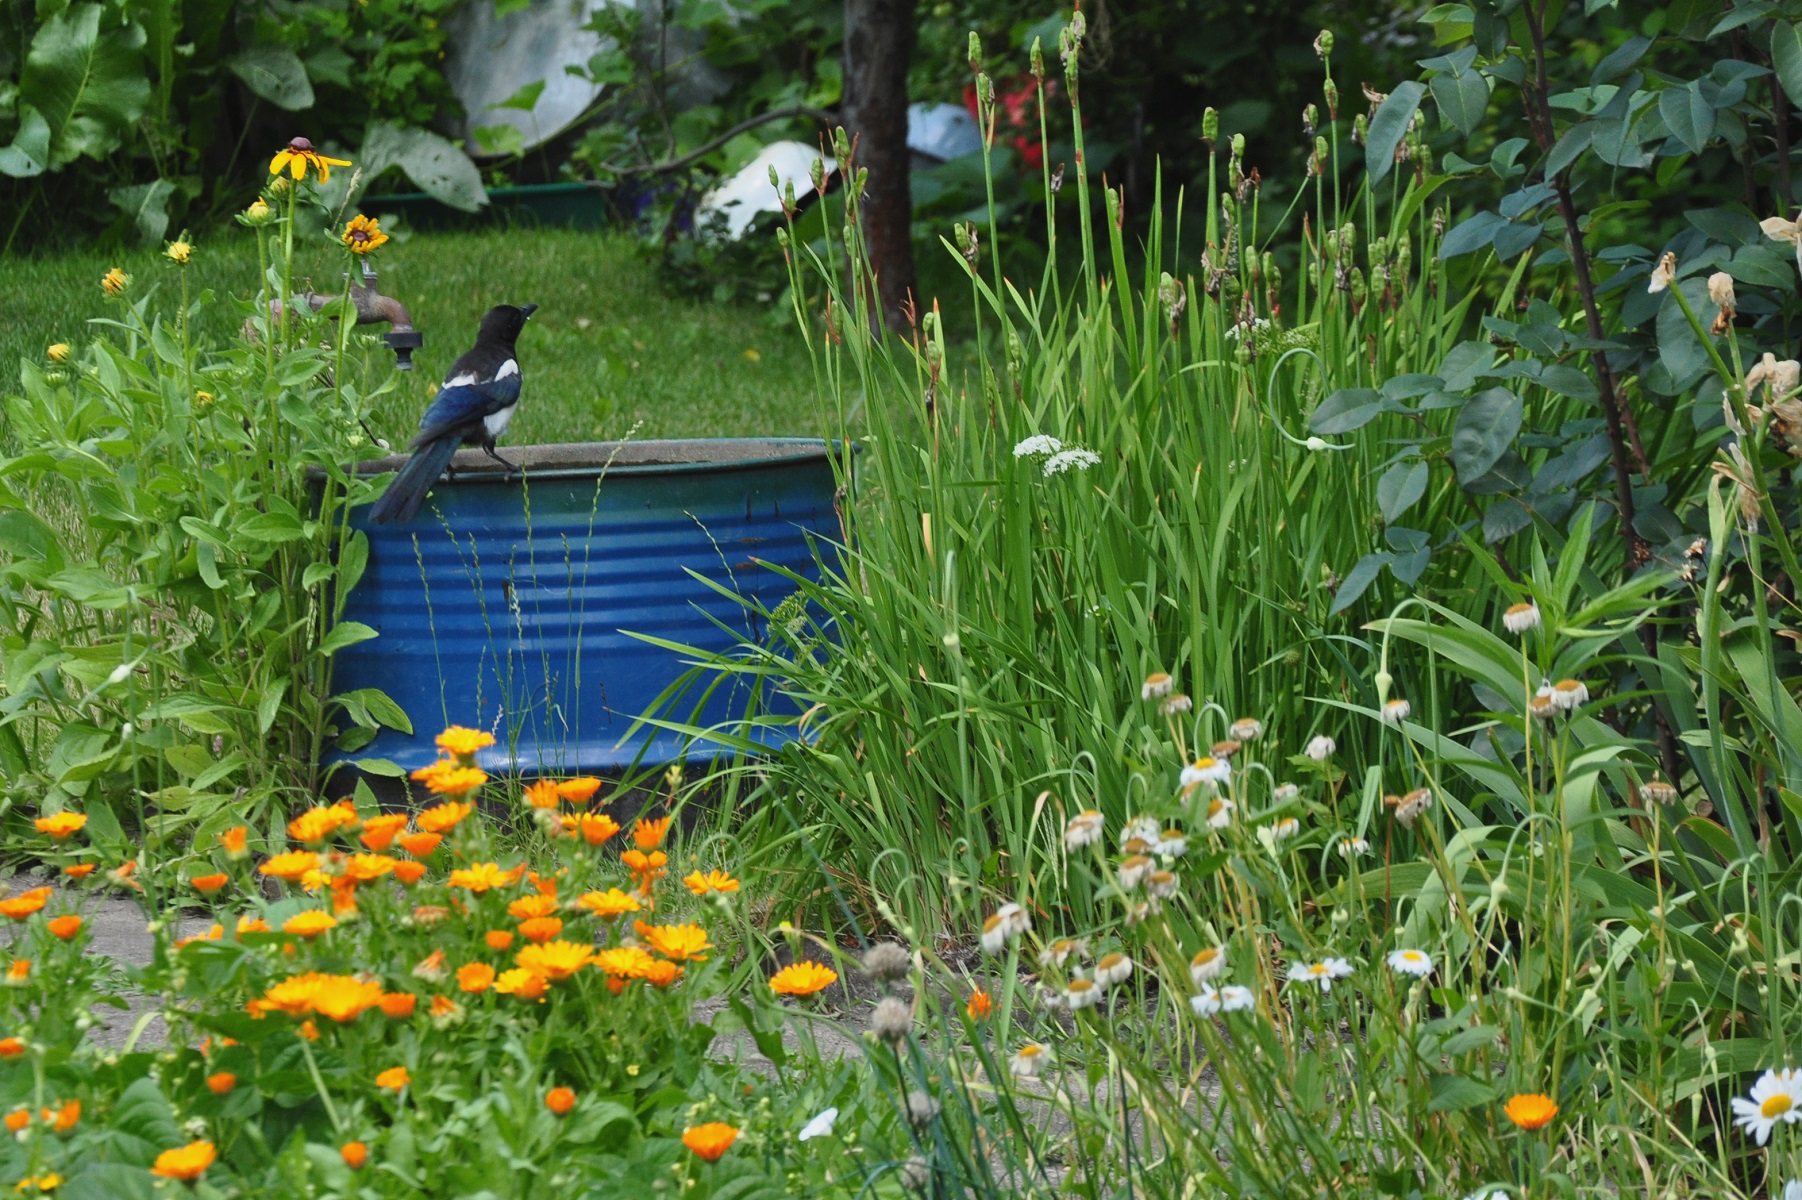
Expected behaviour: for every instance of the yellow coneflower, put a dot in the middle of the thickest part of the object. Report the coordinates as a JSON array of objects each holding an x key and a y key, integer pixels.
[
  {"x": 363, "y": 235},
  {"x": 298, "y": 155},
  {"x": 179, "y": 251},
  {"x": 58, "y": 352},
  {"x": 114, "y": 282}
]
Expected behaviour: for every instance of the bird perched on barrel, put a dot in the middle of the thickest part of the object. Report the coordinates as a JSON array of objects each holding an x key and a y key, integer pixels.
[{"x": 472, "y": 409}]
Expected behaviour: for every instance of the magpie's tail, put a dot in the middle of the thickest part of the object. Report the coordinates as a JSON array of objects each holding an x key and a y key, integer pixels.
[{"x": 408, "y": 491}]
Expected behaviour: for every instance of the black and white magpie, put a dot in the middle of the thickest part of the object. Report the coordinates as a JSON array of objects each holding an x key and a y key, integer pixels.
[{"x": 472, "y": 409}]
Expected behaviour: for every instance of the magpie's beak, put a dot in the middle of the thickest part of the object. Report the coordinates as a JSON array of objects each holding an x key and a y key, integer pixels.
[{"x": 526, "y": 310}]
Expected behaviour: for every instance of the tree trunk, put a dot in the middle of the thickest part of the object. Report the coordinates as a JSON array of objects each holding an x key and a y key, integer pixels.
[{"x": 879, "y": 38}]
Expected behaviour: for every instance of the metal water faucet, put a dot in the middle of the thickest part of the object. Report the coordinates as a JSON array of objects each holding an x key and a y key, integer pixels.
[{"x": 373, "y": 308}]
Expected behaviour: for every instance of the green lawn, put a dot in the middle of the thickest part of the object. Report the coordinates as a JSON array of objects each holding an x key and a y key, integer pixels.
[{"x": 609, "y": 348}]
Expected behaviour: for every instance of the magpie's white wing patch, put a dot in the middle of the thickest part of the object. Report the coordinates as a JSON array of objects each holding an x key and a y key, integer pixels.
[
  {"x": 510, "y": 367},
  {"x": 463, "y": 380}
]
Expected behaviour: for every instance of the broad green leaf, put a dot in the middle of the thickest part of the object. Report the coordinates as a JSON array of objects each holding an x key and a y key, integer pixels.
[
  {"x": 1346, "y": 410},
  {"x": 1462, "y": 97},
  {"x": 275, "y": 73},
  {"x": 1359, "y": 578},
  {"x": 436, "y": 166},
  {"x": 269, "y": 706},
  {"x": 1786, "y": 57},
  {"x": 1689, "y": 117},
  {"x": 1388, "y": 127},
  {"x": 1454, "y": 1093},
  {"x": 1399, "y": 488},
  {"x": 1681, "y": 352},
  {"x": 525, "y": 99},
  {"x": 88, "y": 87},
  {"x": 29, "y": 153},
  {"x": 345, "y": 633},
  {"x": 1486, "y": 427}
]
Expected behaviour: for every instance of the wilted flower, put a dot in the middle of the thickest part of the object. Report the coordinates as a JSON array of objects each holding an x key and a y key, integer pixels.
[
  {"x": 1352, "y": 846},
  {"x": 892, "y": 1020},
  {"x": 1246, "y": 729},
  {"x": 1061, "y": 951},
  {"x": 1133, "y": 871},
  {"x": 1207, "y": 964},
  {"x": 1521, "y": 617},
  {"x": 1007, "y": 923},
  {"x": 1112, "y": 968},
  {"x": 1220, "y": 812},
  {"x": 1320, "y": 747},
  {"x": 1161, "y": 885},
  {"x": 922, "y": 1109},
  {"x": 1179, "y": 703},
  {"x": 1657, "y": 791},
  {"x": 1408, "y": 808},
  {"x": 1720, "y": 293},
  {"x": 1664, "y": 274},
  {"x": 1028, "y": 1060},
  {"x": 1172, "y": 843},
  {"x": 1285, "y": 792}
]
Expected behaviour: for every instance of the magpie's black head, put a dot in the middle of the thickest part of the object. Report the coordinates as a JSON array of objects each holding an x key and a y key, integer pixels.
[{"x": 504, "y": 322}]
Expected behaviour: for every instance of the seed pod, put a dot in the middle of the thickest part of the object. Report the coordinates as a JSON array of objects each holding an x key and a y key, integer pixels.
[
  {"x": 1210, "y": 126},
  {"x": 975, "y": 52},
  {"x": 1323, "y": 43},
  {"x": 1038, "y": 60}
]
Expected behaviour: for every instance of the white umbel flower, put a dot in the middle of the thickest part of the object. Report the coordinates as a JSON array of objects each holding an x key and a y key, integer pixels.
[
  {"x": 1396, "y": 711},
  {"x": 820, "y": 1126},
  {"x": 1321, "y": 973},
  {"x": 1776, "y": 1097},
  {"x": 1320, "y": 747},
  {"x": 1411, "y": 962},
  {"x": 1220, "y": 812},
  {"x": 1037, "y": 445},
  {"x": 1206, "y": 769},
  {"x": 1521, "y": 617},
  {"x": 1207, "y": 964},
  {"x": 1156, "y": 684},
  {"x": 1073, "y": 459},
  {"x": 1567, "y": 694},
  {"x": 1084, "y": 829},
  {"x": 1246, "y": 729},
  {"x": 1112, "y": 968}
]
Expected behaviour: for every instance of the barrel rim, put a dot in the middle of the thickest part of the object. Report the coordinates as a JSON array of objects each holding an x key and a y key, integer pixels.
[{"x": 656, "y": 456}]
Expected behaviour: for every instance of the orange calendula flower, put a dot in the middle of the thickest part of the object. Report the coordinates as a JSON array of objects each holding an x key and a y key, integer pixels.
[
  {"x": 981, "y": 1005},
  {"x": 595, "y": 828},
  {"x": 309, "y": 924},
  {"x": 65, "y": 927},
  {"x": 236, "y": 840},
  {"x": 555, "y": 960},
  {"x": 298, "y": 155},
  {"x": 317, "y": 824},
  {"x": 208, "y": 884},
  {"x": 398, "y": 1004},
  {"x": 354, "y": 1154},
  {"x": 462, "y": 743},
  {"x": 25, "y": 903},
  {"x": 65, "y": 1118},
  {"x": 187, "y": 1163},
  {"x": 61, "y": 825},
  {"x": 290, "y": 866},
  {"x": 445, "y": 1011},
  {"x": 645, "y": 868},
  {"x": 393, "y": 1079},
  {"x": 546, "y": 885},
  {"x": 527, "y": 907},
  {"x": 221, "y": 1082},
  {"x": 17, "y": 1119},
  {"x": 526, "y": 985},
  {"x": 802, "y": 979},
  {"x": 431, "y": 968},
  {"x": 379, "y": 832},
  {"x": 343, "y": 998},
  {"x": 713, "y": 881},
  {"x": 440, "y": 819},
  {"x": 540, "y": 929},
  {"x": 79, "y": 870},
  {"x": 430, "y": 914},
  {"x": 579, "y": 790},
  {"x": 543, "y": 794},
  {"x": 409, "y": 872},
  {"x": 479, "y": 878},
  {"x": 11, "y": 1047},
  {"x": 661, "y": 974},
  {"x": 455, "y": 781},
  {"x": 498, "y": 939},
  {"x": 679, "y": 942},
  {"x": 649, "y": 833},
  {"x": 253, "y": 925},
  {"x": 608, "y": 904},
  {"x": 1530, "y": 1110},
  {"x": 711, "y": 1140},
  {"x": 624, "y": 962},
  {"x": 211, "y": 935},
  {"x": 365, "y": 868},
  {"x": 308, "y": 1030},
  {"x": 560, "y": 1100},
  {"x": 475, "y": 977},
  {"x": 20, "y": 970}
]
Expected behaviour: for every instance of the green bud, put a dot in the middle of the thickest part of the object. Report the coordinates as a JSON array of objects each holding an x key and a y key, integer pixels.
[
  {"x": 1331, "y": 92},
  {"x": 1359, "y": 289},
  {"x": 1320, "y": 149},
  {"x": 1323, "y": 43},
  {"x": 1038, "y": 60},
  {"x": 1238, "y": 145},
  {"x": 1360, "y": 129},
  {"x": 1310, "y": 119},
  {"x": 775, "y": 179},
  {"x": 1210, "y": 125},
  {"x": 975, "y": 52}
]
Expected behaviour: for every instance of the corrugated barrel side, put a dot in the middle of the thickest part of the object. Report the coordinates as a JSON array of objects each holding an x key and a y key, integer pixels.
[{"x": 507, "y": 606}]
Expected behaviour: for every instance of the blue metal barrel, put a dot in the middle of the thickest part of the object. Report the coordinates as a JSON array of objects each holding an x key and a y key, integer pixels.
[{"x": 507, "y": 604}]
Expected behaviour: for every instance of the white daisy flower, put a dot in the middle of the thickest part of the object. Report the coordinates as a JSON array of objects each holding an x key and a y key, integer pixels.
[
  {"x": 1178, "y": 703},
  {"x": 1205, "y": 1002},
  {"x": 1284, "y": 829},
  {"x": 1793, "y": 1190},
  {"x": 1351, "y": 847},
  {"x": 1133, "y": 871},
  {"x": 1174, "y": 843},
  {"x": 1081, "y": 994},
  {"x": 1061, "y": 951},
  {"x": 820, "y": 1126},
  {"x": 1073, "y": 459},
  {"x": 1567, "y": 694},
  {"x": 1141, "y": 829},
  {"x": 1112, "y": 968},
  {"x": 1322, "y": 972},
  {"x": 1161, "y": 884},
  {"x": 1036, "y": 445},
  {"x": 1411, "y": 962},
  {"x": 1016, "y": 919},
  {"x": 1408, "y": 808},
  {"x": 1285, "y": 792},
  {"x": 1028, "y": 1060},
  {"x": 1236, "y": 998},
  {"x": 1320, "y": 747},
  {"x": 1521, "y": 617},
  {"x": 1144, "y": 910},
  {"x": 1084, "y": 829},
  {"x": 1396, "y": 711},
  {"x": 1156, "y": 684},
  {"x": 1777, "y": 1096},
  {"x": 1206, "y": 770},
  {"x": 1246, "y": 729},
  {"x": 1220, "y": 812},
  {"x": 1207, "y": 964},
  {"x": 1007, "y": 923}
]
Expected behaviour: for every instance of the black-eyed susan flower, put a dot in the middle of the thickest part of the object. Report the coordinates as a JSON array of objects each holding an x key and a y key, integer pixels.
[
  {"x": 298, "y": 155},
  {"x": 180, "y": 251},
  {"x": 114, "y": 282},
  {"x": 364, "y": 235}
]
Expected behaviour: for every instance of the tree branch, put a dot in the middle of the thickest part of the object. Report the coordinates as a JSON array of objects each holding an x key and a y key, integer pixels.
[{"x": 706, "y": 148}]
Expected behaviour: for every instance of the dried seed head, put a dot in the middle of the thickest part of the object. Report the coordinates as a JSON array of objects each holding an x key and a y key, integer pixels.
[
  {"x": 886, "y": 962},
  {"x": 892, "y": 1020},
  {"x": 922, "y": 1109}
]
